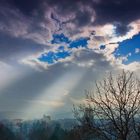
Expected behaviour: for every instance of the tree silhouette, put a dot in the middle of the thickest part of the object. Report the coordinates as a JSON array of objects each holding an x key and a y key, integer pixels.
[
  {"x": 115, "y": 106},
  {"x": 39, "y": 131},
  {"x": 58, "y": 133},
  {"x": 6, "y": 133}
]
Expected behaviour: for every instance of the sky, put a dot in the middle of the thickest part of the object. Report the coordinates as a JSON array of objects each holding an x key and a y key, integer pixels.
[{"x": 51, "y": 51}]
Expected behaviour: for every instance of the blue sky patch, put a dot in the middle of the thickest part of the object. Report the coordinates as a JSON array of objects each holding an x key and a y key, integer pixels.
[
  {"x": 129, "y": 46},
  {"x": 102, "y": 47},
  {"x": 51, "y": 57},
  {"x": 61, "y": 53},
  {"x": 61, "y": 48},
  {"x": 60, "y": 38},
  {"x": 81, "y": 42},
  {"x": 47, "y": 57}
]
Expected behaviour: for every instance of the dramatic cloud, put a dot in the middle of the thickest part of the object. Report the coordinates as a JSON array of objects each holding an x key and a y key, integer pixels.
[
  {"x": 122, "y": 12},
  {"x": 36, "y": 19}
]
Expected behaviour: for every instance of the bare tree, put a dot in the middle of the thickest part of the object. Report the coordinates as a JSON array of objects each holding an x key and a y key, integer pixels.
[
  {"x": 115, "y": 104},
  {"x": 86, "y": 128}
]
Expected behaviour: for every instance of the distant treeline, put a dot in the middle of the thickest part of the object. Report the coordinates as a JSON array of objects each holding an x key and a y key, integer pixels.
[{"x": 42, "y": 130}]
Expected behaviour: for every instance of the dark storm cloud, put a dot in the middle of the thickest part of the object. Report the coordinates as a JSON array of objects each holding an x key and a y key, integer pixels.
[
  {"x": 122, "y": 29},
  {"x": 107, "y": 11},
  {"x": 24, "y": 26},
  {"x": 20, "y": 36},
  {"x": 121, "y": 12},
  {"x": 117, "y": 10},
  {"x": 82, "y": 18},
  {"x": 26, "y": 6},
  {"x": 13, "y": 49},
  {"x": 118, "y": 13}
]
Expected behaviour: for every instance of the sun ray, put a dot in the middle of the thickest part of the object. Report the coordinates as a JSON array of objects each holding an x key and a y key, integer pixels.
[{"x": 51, "y": 98}]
